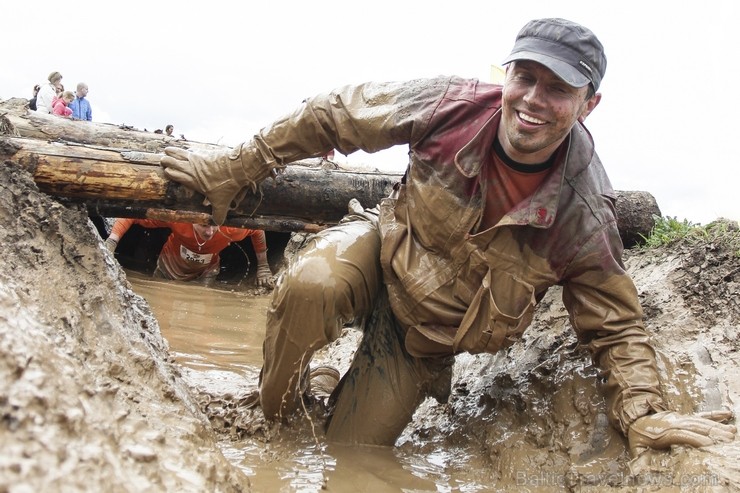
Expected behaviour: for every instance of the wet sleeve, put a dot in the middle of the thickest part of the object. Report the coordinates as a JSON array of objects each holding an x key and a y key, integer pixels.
[
  {"x": 122, "y": 225},
  {"x": 259, "y": 242},
  {"x": 605, "y": 312},
  {"x": 368, "y": 117}
]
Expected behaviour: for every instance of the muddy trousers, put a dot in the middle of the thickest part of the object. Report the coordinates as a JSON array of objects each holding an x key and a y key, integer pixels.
[
  {"x": 378, "y": 395},
  {"x": 336, "y": 279}
]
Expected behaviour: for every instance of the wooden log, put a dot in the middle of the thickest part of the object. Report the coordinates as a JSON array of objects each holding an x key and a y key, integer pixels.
[
  {"x": 34, "y": 125},
  {"x": 131, "y": 184},
  {"x": 115, "y": 172},
  {"x": 636, "y": 214},
  {"x": 74, "y": 170}
]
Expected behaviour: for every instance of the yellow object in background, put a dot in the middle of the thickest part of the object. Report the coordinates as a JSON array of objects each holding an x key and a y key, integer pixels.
[{"x": 498, "y": 74}]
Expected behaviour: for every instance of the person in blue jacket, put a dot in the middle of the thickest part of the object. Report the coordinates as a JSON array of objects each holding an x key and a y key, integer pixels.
[{"x": 81, "y": 109}]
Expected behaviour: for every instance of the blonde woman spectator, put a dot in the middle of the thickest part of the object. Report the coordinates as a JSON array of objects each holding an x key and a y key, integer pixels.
[
  {"x": 45, "y": 97},
  {"x": 61, "y": 106}
]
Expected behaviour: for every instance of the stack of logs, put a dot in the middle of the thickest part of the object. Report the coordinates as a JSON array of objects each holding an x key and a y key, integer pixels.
[{"x": 114, "y": 170}]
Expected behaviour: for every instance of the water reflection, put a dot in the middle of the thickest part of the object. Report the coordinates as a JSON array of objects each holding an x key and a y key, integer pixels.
[{"x": 217, "y": 336}]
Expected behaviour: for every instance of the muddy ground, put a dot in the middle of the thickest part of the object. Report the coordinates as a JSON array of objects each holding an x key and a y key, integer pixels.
[{"x": 91, "y": 399}]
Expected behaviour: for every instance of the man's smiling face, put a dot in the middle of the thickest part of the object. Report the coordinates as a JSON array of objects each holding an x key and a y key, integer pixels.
[{"x": 539, "y": 110}]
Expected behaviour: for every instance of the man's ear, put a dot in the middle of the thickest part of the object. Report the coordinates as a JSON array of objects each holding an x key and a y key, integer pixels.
[{"x": 592, "y": 103}]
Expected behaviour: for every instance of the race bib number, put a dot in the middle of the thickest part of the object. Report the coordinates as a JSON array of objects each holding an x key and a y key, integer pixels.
[{"x": 196, "y": 258}]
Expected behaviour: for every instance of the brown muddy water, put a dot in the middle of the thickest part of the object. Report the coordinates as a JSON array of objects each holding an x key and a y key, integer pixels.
[{"x": 216, "y": 336}]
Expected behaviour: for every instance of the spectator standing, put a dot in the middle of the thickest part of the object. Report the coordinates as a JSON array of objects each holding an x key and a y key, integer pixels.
[
  {"x": 80, "y": 106},
  {"x": 61, "y": 105},
  {"x": 32, "y": 101},
  {"x": 45, "y": 97},
  {"x": 168, "y": 130}
]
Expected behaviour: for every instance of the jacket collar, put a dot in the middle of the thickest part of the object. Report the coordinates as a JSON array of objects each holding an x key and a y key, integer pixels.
[{"x": 539, "y": 210}]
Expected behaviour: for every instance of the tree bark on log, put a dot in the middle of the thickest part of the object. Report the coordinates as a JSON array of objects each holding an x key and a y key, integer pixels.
[
  {"x": 114, "y": 171},
  {"x": 19, "y": 121},
  {"x": 131, "y": 184}
]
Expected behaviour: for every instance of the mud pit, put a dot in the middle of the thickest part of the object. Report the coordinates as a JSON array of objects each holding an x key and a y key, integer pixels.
[{"x": 92, "y": 398}]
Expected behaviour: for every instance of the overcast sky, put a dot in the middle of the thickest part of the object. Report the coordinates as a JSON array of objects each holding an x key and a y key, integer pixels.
[{"x": 220, "y": 71}]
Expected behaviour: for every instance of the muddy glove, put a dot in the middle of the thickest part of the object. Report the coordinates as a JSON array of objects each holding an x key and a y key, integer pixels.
[
  {"x": 111, "y": 244},
  {"x": 264, "y": 274},
  {"x": 664, "y": 429},
  {"x": 223, "y": 176}
]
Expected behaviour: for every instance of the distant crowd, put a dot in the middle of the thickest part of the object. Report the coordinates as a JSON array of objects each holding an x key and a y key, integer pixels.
[{"x": 51, "y": 98}]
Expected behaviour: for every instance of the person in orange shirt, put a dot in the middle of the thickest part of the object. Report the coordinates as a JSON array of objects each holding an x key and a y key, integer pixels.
[{"x": 192, "y": 250}]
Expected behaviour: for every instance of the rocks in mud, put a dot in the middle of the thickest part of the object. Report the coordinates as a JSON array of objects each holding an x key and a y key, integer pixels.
[{"x": 710, "y": 282}]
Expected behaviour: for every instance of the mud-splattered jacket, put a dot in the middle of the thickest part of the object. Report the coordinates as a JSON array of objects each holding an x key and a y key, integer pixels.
[{"x": 454, "y": 287}]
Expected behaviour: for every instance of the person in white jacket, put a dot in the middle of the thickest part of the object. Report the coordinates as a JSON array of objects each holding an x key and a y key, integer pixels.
[{"x": 45, "y": 97}]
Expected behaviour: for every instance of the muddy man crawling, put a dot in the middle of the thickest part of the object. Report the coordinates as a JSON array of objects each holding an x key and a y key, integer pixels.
[{"x": 504, "y": 197}]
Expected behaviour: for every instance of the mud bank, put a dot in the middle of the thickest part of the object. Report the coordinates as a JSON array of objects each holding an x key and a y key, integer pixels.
[{"x": 91, "y": 399}]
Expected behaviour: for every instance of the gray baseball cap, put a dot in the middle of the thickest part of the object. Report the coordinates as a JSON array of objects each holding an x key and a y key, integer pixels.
[{"x": 570, "y": 50}]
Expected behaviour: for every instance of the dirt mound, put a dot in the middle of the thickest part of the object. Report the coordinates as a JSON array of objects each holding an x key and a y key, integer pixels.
[{"x": 89, "y": 397}]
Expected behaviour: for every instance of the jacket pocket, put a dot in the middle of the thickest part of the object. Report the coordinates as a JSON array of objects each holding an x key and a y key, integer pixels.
[{"x": 498, "y": 314}]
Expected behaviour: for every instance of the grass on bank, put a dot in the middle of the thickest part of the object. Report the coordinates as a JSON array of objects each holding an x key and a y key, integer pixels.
[{"x": 668, "y": 230}]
